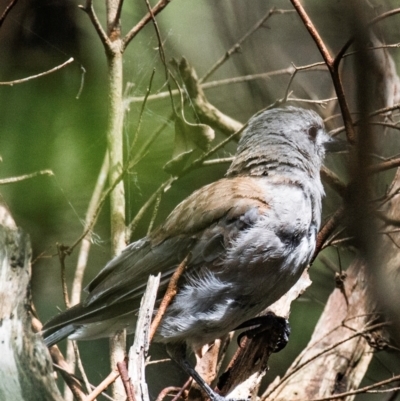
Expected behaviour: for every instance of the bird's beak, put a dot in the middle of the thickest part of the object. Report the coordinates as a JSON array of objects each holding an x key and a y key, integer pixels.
[{"x": 334, "y": 145}]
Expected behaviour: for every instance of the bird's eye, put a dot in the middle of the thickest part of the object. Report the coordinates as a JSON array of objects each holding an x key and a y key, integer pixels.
[{"x": 313, "y": 132}]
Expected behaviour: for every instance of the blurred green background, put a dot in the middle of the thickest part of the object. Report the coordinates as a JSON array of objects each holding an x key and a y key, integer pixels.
[{"x": 43, "y": 125}]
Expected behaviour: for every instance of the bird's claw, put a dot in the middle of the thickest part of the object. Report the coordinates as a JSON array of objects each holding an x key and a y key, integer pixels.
[{"x": 270, "y": 325}]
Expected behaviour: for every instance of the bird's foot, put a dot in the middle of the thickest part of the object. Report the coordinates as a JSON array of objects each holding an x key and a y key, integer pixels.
[{"x": 275, "y": 327}]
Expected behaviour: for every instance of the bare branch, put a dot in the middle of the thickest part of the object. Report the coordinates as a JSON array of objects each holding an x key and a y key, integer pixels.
[
  {"x": 361, "y": 390},
  {"x": 218, "y": 161},
  {"x": 103, "y": 385},
  {"x": 166, "y": 391},
  {"x": 330, "y": 178},
  {"x": 307, "y": 361},
  {"x": 86, "y": 242},
  {"x": 9, "y": 7},
  {"x": 383, "y": 16},
  {"x": 170, "y": 293},
  {"x": 42, "y": 74},
  {"x": 19, "y": 178},
  {"x": 114, "y": 8},
  {"x": 62, "y": 251},
  {"x": 71, "y": 352},
  {"x": 143, "y": 22},
  {"x": 89, "y": 10},
  {"x": 330, "y": 62},
  {"x": 139, "y": 123},
  {"x": 123, "y": 372},
  {"x": 321, "y": 66},
  {"x": 378, "y": 168},
  {"x": 133, "y": 224},
  {"x": 237, "y": 45},
  {"x": 327, "y": 230},
  {"x": 384, "y": 110}
]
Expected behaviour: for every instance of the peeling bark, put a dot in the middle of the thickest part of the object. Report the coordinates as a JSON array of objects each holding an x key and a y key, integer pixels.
[{"x": 26, "y": 371}]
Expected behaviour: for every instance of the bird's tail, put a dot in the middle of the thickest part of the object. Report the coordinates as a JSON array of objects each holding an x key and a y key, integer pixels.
[
  {"x": 53, "y": 336},
  {"x": 62, "y": 325}
]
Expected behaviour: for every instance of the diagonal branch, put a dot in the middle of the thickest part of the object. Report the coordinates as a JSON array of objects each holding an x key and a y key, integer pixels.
[
  {"x": 333, "y": 69},
  {"x": 147, "y": 18},
  {"x": 9, "y": 7},
  {"x": 89, "y": 10},
  {"x": 235, "y": 48},
  {"x": 42, "y": 74}
]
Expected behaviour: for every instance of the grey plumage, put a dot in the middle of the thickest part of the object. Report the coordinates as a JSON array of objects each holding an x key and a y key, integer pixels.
[{"x": 250, "y": 236}]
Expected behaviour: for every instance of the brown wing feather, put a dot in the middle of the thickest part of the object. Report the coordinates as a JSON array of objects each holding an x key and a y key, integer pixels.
[{"x": 233, "y": 196}]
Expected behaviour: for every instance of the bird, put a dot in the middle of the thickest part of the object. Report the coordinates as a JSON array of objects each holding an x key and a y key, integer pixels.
[{"x": 248, "y": 237}]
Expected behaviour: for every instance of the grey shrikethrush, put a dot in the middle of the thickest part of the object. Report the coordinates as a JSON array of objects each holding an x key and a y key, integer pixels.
[{"x": 250, "y": 235}]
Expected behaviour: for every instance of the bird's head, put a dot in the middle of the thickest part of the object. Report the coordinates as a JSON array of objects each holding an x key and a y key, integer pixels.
[{"x": 280, "y": 141}]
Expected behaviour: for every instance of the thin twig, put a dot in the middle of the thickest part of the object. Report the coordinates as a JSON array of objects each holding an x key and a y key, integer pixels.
[
  {"x": 384, "y": 110},
  {"x": 83, "y": 72},
  {"x": 383, "y": 16},
  {"x": 313, "y": 32},
  {"x": 183, "y": 389},
  {"x": 123, "y": 371},
  {"x": 72, "y": 382},
  {"x": 143, "y": 22},
  {"x": 133, "y": 224},
  {"x": 86, "y": 242},
  {"x": 198, "y": 162},
  {"x": 218, "y": 161},
  {"x": 358, "y": 391},
  {"x": 148, "y": 91},
  {"x": 164, "y": 392},
  {"x": 321, "y": 102},
  {"x": 235, "y": 48},
  {"x": 327, "y": 230},
  {"x": 321, "y": 66},
  {"x": 62, "y": 251},
  {"x": 333, "y": 238},
  {"x": 317, "y": 355},
  {"x": 80, "y": 366},
  {"x": 339, "y": 241},
  {"x": 162, "y": 53},
  {"x": 19, "y": 178},
  {"x": 170, "y": 293},
  {"x": 330, "y": 178},
  {"x": 42, "y": 74},
  {"x": 391, "y": 46},
  {"x": 146, "y": 146},
  {"x": 157, "y": 361},
  {"x": 168, "y": 183},
  {"x": 332, "y": 66},
  {"x": 9, "y": 7},
  {"x": 154, "y": 214},
  {"x": 103, "y": 385},
  {"x": 89, "y": 227},
  {"x": 84, "y": 253},
  {"x": 378, "y": 168},
  {"x": 290, "y": 83},
  {"x": 105, "y": 194},
  {"x": 89, "y": 10},
  {"x": 383, "y": 124}
]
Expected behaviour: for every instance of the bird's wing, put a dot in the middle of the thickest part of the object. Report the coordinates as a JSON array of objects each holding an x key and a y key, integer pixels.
[
  {"x": 203, "y": 224},
  {"x": 231, "y": 197},
  {"x": 191, "y": 227}
]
